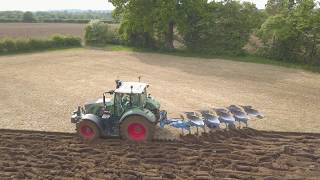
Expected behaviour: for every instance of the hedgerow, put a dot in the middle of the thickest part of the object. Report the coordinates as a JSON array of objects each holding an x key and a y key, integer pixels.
[{"x": 23, "y": 45}]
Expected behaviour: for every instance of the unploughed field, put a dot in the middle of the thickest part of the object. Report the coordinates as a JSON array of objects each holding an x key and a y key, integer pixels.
[
  {"x": 39, "y": 91},
  {"x": 40, "y": 30}
]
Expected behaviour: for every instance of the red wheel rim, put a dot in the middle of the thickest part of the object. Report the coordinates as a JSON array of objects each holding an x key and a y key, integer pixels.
[
  {"x": 87, "y": 132},
  {"x": 136, "y": 131}
]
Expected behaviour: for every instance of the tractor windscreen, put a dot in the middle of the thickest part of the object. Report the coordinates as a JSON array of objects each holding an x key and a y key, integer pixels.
[
  {"x": 122, "y": 101},
  {"x": 138, "y": 100}
]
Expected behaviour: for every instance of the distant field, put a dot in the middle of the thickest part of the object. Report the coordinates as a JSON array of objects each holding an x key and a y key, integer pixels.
[{"x": 39, "y": 30}]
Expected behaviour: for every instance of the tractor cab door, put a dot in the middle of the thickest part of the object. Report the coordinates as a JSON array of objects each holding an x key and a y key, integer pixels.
[{"x": 119, "y": 104}]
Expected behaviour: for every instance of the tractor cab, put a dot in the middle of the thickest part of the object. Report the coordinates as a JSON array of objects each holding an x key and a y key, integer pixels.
[
  {"x": 129, "y": 95},
  {"x": 128, "y": 111}
]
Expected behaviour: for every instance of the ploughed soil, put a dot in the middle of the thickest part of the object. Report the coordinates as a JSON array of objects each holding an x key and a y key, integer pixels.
[{"x": 233, "y": 154}]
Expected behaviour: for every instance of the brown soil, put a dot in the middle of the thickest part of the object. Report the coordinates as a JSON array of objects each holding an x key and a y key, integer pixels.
[
  {"x": 39, "y": 30},
  {"x": 39, "y": 91},
  {"x": 236, "y": 154}
]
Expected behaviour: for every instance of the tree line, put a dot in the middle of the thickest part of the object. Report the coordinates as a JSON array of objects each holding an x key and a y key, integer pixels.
[
  {"x": 75, "y": 16},
  {"x": 289, "y": 29}
]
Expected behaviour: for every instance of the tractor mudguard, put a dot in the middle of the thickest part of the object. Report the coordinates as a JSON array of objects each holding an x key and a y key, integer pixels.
[
  {"x": 136, "y": 111},
  {"x": 96, "y": 120}
]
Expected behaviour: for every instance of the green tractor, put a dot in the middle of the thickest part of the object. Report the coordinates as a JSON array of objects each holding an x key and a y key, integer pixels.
[{"x": 128, "y": 112}]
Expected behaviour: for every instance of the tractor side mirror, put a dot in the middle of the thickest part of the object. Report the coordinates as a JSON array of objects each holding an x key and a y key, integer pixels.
[
  {"x": 104, "y": 96},
  {"x": 118, "y": 83}
]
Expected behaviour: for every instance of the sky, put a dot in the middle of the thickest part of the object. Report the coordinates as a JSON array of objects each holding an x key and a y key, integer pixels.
[{"x": 44, "y": 5}]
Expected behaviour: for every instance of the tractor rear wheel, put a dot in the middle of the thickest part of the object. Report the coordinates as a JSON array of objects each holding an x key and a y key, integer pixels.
[
  {"x": 88, "y": 130},
  {"x": 137, "y": 128}
]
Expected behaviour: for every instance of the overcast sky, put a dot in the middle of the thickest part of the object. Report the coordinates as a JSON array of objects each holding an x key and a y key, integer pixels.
[{"x": 43, "y": 5}]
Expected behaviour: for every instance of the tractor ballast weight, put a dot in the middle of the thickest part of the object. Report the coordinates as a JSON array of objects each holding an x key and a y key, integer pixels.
[{"x": 129, "y": 113}]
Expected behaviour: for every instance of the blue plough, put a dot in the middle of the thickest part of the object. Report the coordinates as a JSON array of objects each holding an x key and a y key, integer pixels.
[{"x": 210, "y": 118}]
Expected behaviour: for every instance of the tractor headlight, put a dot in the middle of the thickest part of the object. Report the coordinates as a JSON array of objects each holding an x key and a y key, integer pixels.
[{"x": 74, "y": 118}]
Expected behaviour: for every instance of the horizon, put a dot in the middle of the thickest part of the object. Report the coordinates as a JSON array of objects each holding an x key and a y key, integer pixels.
[{"x": 84, "y": 5}]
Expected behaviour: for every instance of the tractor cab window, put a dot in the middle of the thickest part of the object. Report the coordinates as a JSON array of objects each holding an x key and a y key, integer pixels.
[
  {"x": 118, "y": 105},
  {"x": 122, "y": 102},
  {"x": 135, "y": 100},
  {"x": 143, "y": 98},
  {"x": 125, "y": 100}
]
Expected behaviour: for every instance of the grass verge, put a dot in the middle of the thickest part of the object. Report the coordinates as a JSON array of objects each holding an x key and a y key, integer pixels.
[
  {"x": 40, "y": 50},
  {"x": 183, "y": 53},
  {"x": 244, "y": 58}
]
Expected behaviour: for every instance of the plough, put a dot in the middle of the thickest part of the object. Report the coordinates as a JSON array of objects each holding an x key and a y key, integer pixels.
[{"x": 211, "y": 119}]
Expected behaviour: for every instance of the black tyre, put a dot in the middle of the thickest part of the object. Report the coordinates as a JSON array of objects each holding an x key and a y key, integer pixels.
[
  {"x": 137, "y": 128},
  {"x": 88, "y": 130}
]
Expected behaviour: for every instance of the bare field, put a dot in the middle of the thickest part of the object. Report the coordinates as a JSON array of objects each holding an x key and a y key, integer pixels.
[
  {"x": 39, "y": 91},
  {"x": 40, "y": 30}
]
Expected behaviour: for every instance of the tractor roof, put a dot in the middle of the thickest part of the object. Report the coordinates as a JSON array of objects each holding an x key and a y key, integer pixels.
[{"x": 126, "y": 87}]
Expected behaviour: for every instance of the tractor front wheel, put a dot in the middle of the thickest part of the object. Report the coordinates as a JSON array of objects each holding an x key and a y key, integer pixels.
[
  {"x": 88, "y": 130},
  {"x": 137, "y": 128}
]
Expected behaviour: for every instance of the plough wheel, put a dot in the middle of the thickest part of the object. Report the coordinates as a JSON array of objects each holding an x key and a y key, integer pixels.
[{"x": 137, "y": 128}]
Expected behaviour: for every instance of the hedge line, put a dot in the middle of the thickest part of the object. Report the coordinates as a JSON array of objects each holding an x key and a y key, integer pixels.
[
  {"x": 9, "y": 20},
  {"x": 24, "y": 45}
]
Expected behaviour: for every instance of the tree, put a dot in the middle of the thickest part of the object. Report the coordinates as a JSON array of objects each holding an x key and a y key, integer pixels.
[
  {"x": 28, "y": 17},
  {"x": 99, "y": 33},
  {"x": 293, "y": 35},
  {"x": 190, "y": 24},
  {"x": 215, "y": 27},
  {"x": 220, "y": 27},
  {"x": 165, "y": 18},
  {"x": 149, "y": 22},
  {"x": 136, "y": 26},
  {"x": 274, "y": 6}
]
